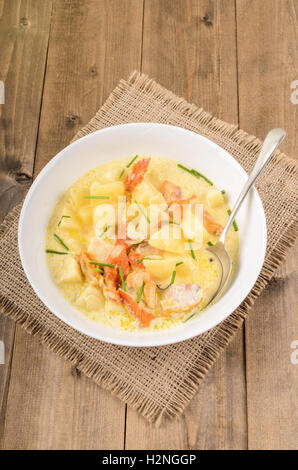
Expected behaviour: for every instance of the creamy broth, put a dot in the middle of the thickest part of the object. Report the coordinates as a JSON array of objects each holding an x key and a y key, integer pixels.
[{"x": 153, "y": 280}]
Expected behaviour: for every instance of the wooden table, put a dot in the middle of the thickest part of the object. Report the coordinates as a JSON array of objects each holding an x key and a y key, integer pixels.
[{"x": 59, "y": 61}]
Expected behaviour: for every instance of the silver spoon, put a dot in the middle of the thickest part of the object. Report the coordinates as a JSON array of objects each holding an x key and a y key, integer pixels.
[{"x": 271, "y": 143}]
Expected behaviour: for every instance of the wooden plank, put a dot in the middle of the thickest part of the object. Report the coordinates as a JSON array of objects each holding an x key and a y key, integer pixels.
[
  {"x": 267, "y": 58},
  {"x": 215, "y": 418},
  {"x": 272, "y": 380},
  {"x": 24, "y": 34},
  {"x": 7, "y": 334},
  {"x": 190, "y": 48},
  {"x": 90, "y": 49},
  {"x": 52, "y": 406}
]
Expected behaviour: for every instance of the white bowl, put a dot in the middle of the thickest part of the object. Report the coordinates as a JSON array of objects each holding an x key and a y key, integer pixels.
[{"x": 161, "y": 140}]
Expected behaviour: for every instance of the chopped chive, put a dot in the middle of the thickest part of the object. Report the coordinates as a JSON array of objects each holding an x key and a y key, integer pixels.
[
  {"x": 59, "y": 240},
  {"x": 210, "y": 243},
  {"x": 191, "y": 249},
  {"x": 200, "y": 175},
  {"x": 99, "y": 270},
  {"x": 140, "y": 293},
  {"x": 172, "y": 222},
  {"x": 63, "y": 217},
  {"x": 128, "y": 165},
  {"x": 234, "y": 221},
  {"x": 133, "y": 246},
  {"x": 223, "y": 191},
  {"x": 131, "y": 161},
  {"x": 180, "y": 262},
  {"x": 195, "y": 173},
  {"x": 102, "y": 264},
  {"x": 96, "y": 197},
  {"x": 188, "y": 318},
  {"x": 57, "y": 252},
  {"x": 122, "y": 278},
  {"x": 147, "y": 257},
  {"x": 184, "y": 168},
  {"x": 171, "y": 281},
  {"x": 141, "y": 210},
  {"x": 104, "y": 231}
]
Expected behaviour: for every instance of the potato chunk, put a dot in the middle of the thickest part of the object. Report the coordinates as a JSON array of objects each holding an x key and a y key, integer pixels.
[
  {"x": 111, "y": 190},
  {"x": 68, "y": 220},
  {"x": 214, "y": 198},
  {"x": 144, "y": 192},
  {"x": 69, "y": 271},
  {"x": 164, "y": 240},
  {"x": 91, "y": 299},
  {"x": 77, "y": 195},
  {"x": 161, "y": 269},
  {"x": 86, "y": 214}
]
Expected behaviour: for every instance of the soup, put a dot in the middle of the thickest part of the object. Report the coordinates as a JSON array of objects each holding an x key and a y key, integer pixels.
[{"x": 127, "y": 243}]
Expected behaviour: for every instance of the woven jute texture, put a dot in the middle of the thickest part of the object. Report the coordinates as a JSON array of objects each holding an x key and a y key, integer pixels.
[{"x": 158, "y": 382}]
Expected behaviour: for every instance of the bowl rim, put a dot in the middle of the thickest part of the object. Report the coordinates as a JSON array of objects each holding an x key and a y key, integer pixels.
[{"x": 160, "y": 341}]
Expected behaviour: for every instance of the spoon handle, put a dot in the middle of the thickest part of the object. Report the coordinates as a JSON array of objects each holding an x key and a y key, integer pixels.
[{"x": 271, "y": 143}]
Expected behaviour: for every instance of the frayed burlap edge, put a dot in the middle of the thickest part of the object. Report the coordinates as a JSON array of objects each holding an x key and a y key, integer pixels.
[{"x": 216, "y": 339}]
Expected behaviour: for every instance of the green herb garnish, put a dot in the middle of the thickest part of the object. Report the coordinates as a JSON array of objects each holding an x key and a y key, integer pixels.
[
  {"x": 102, "y": 264},
  {"x": 210, "y": 243},
  {"x": 99, "y": 270},
  {"x": 180, "y": 262},
  {"x": 195, "y": 173},
  {"x": 147, "y": 257},
  {"x": 122, "y": 279},
  {"x": 134, "y": 246},
  {"x": 200, "y": 175},
  {"x": 63, "y": 217},
  {"x": 104, "y": 231},
  {"x": 59, "y": 240},
  {"x": 234, "y": 221},
  {"x": 171, "y": 281},
  {"x": 127, "y": 166},
  {"x": 57, "y": 252},
  {"x": 191, "y": 249},
  {"x": 141, "y": 210},
  {"x": 132, "y": 161},
  {"x": 173, "y": 278},
  {"x": 189, "y": 170},
  {"x": 223, "y": 191},
  {"x": 96, "y": 197},
  {"x": 190, "y": 316},
  {"x": 140, "y": 293}
]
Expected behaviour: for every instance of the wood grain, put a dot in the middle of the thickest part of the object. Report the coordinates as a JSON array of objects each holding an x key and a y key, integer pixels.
[
  {"x": 90, "y": 49},
  {"x": 267, "y": 60},
  {"x": 186, "y": 47},
  {"x": 24, "y": 35},
  {"x": 51, "y": 405}
]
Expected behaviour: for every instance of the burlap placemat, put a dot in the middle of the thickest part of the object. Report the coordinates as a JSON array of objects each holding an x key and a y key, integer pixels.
[{"x": 158, "y": 382}]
